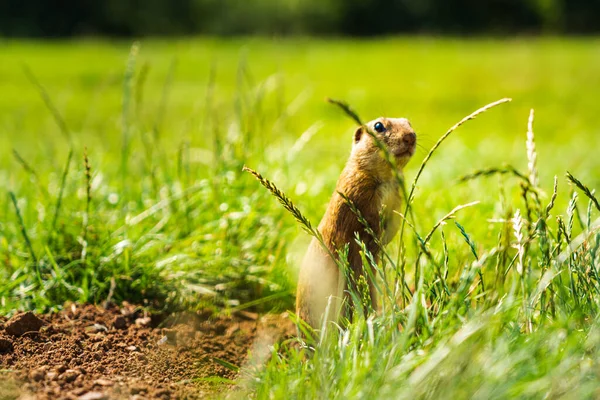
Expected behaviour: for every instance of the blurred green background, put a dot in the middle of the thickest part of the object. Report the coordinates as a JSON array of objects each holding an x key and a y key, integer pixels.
[
  {"x": 433, "y": 82},
  {"x": 37, "y": 18}
]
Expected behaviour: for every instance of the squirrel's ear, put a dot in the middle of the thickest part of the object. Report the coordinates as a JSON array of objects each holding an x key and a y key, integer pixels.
[{"x": 358, "y": 134}]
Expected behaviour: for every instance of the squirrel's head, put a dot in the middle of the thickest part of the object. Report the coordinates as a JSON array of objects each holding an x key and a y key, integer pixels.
[{"x": 395, "y": 133}]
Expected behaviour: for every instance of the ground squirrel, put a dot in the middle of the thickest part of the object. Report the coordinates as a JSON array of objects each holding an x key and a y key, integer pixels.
[{"x": 369, "y": 182}]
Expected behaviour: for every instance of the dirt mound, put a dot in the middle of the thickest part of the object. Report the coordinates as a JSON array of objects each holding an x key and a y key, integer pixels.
[{"x": 90, "y": 353}]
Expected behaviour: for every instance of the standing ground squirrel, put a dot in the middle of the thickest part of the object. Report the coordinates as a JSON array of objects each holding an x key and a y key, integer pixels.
[{"x": 369, "y": 182}]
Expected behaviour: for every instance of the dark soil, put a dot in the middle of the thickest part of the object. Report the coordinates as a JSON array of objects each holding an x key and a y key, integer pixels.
[{"x": 89, "y": 353}]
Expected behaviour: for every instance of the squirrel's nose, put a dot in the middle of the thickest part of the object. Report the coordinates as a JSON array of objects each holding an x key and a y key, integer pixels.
[{"x": 410, "y": 138}]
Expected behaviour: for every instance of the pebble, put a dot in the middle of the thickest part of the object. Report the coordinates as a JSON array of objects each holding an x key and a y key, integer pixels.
[
  {"x": 23, "y": 323},
  {"x": 93, "y": 396},
  {"x": 145, "y": 321},
  {"x": 37, "y": 374},
  {"x": 120, "y": 322},
  {"x": 103, "y": 382},
  {"x": 138, "y": 389},
  {"x": 52, "y": 375},
  {"x": 6, "y": 345},
  {"x": 70, "y": 375},
  {"x": 96, "y": 328},
  {"x": 163, "y": 340}
]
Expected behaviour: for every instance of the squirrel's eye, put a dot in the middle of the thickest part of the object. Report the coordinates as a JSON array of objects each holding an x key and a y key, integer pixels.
[{"x": 379, "y": 127}]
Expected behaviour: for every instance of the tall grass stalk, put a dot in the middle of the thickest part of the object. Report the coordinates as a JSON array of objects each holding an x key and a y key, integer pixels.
[
  {"x": 34, "y": 258},
  {"x": 469, "y": 117},
  {"x": 126, "y": 115},
  {"x": 29, "y": 169},
  {"x": 88, "y": 202},
  {"x": 531, "y": 152},
  {"x": 60, "y": 122},
  {"x": 61, "y": 191}
]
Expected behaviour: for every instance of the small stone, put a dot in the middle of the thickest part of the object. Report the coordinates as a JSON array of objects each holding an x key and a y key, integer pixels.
[
  {"x": 127, "y": 308},
  {"x": 103, "y": 382},
  {"x": 120, "y": 322},
  {"x": 145, "y": 321},
  {"x": 61, "y": 368},
  {"x": 96, "y": 328},
  {"x": 137, "y": 390},
  {"x": 76, "y": 361},
  {"x": 23, "y": 323},
  {"x": 37, "y": 375},
  {"x": 163, "y": 340},
  {"x": 132, "y": 348},
  {"x": 80, "y": 391},
  {"x": 52, "y": 375},
  {"x": 162, "y": 394},
  {"x": 6, "y": 345},
  {"x": 93, "y": 396},
  {"x": 70, "y": 375}
]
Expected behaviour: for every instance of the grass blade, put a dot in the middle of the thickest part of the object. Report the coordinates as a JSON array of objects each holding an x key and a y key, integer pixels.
[
  {"x": 24, "y": 231},
  {"x": 469, "y": 117},
  {"x": 62, "y": 125}
]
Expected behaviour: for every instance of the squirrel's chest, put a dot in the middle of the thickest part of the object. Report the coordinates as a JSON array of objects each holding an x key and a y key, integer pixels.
[{"x": 390, "y": 206}]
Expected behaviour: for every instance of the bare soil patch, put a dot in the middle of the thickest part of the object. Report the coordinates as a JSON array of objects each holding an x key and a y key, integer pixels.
[{"x": 88, "y": 352}]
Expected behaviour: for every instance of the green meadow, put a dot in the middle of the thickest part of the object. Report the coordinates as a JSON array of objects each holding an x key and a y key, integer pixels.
[{"x": 121, "y": 177}]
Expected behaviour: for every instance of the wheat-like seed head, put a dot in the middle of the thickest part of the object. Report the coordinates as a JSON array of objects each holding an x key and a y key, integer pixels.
[
  {"x": 88, "y": 177},
  {"x": 346, "y": 109},
  {"x": 468, "y": 239},
  {"x": 553, "y": 198},
  {"x": 285, "y": 202},
  {"x": 506, "y": 169},
  {"x": 571, "y": 209},
  {"x": 584, "y": 189},
  {"x": 517, "y": 223},
  {"x": 531, "y": 152}
]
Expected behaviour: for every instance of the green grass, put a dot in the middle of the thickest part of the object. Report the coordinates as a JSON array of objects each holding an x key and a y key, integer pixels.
[{"x": 164, "y": 214}]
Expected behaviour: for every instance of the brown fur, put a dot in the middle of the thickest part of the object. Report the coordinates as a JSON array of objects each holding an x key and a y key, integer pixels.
[{"x": 368, "y": 181}]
